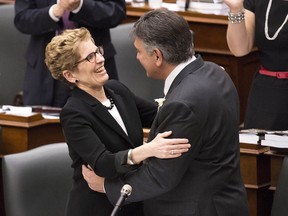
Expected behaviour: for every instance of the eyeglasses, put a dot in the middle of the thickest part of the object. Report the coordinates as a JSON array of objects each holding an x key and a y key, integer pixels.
[{"x": 92, "y": 56}]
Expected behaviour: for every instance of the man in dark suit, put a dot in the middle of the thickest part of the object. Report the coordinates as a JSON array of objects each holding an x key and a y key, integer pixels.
[
  {"x": 42, "y": 19},
  {"x": 201, "y": 104}
]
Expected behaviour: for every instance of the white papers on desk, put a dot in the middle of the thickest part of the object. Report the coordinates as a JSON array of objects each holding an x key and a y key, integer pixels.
[
  {"x": 172, "y": 7},
  {"x": 27, "y": 111},
  {"x": 250, "y": 138},
  {"x": 50, "y": 116},
  {"x": 274, "y": 140},
  {"x": 209, "y": 8},
  {"x": 17, "y": 110}
]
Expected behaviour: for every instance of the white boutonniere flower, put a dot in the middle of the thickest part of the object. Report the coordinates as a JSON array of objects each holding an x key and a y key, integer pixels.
[{"x": 160, "y": 101}]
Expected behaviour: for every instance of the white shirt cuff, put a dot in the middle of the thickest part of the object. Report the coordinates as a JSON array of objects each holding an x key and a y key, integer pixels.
[
  {"x": 78, "y": 9},
  {"x": 51, "y": 14}
]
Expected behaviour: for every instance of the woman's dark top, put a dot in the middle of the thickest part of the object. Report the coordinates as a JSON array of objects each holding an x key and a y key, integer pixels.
[{"x": 268, "y": 100}]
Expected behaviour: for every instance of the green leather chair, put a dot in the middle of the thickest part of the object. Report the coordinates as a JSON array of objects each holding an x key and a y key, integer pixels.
[{"x": 37, "y": 182}]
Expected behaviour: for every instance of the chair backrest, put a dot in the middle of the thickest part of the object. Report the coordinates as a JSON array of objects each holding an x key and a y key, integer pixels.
[
  {"x": 130, "y": 71},
  {"x": 280, "y": 201},
  {"x": 12, "y": 61},
  {"x": 37, "y": 182}
]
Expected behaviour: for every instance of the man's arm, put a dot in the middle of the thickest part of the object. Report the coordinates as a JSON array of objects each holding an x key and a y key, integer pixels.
[
  {"x": 95, "y": 182},
  {"x": 159, "y": 147},
  {"x": 159, "y": 176}
]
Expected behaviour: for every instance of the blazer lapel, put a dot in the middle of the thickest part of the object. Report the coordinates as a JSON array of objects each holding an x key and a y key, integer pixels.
[
  {"x": 125, "y": 115},
  {"x": 189, "y": 69},
  {"x": 101, "y": 112}
]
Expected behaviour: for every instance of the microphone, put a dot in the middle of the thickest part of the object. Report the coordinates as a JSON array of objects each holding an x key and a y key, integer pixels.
[{"x": 126, "y": 191}]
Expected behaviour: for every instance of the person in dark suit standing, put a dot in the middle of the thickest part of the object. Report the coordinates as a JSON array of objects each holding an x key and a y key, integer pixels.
[
  {"x": 42, "y": 19},
  {"x": 201, "y": 104},
  {"x": 102, "y": 121}
]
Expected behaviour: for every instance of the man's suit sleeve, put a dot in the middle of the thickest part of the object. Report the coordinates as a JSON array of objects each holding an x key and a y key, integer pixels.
[
  {"x": 158, "y": 176},
  {"x": 34, "y": 21},
  {"x": 101, "y": 14}
]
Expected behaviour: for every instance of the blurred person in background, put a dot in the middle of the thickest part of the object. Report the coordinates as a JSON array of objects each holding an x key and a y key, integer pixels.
[{"x": 43, "y": 19}]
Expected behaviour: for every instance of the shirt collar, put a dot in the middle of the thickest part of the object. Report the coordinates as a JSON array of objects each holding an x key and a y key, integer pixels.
[{"x": 175, "y": 72}]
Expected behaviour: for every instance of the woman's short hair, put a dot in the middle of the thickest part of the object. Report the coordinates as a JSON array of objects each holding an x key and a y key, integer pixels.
[
  {"x": 62, "y": 52},
  {"x": 167, "y": 31}
]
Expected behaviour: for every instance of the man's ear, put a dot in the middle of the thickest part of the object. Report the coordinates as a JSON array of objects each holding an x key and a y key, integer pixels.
[
  {"x": 158, "y": 56},
  {"x": 68, "y": 75}
]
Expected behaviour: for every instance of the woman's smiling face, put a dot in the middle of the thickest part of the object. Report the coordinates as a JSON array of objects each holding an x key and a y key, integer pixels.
[{"x": 90, "y": 73}]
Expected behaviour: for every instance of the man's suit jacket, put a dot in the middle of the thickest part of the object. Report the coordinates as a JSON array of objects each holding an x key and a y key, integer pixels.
[
  {"x": 93, "y": 135},
  {"x": 202, "y": 105},
  {"x": 32, "y": 17}
]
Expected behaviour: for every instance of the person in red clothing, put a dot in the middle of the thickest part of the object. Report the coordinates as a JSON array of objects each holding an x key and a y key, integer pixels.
[{"x": 264, "y": 23}]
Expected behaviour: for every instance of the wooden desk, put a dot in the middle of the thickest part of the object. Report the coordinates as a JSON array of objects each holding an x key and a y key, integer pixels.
[
  {"x": 7, "y": 1},
  {"x": 276, "y": 160},
  {"x": 260, "y": 169},
  {"x": 210, "y": 41},
  {"x": 20, "y": 133},
  {"x": 255, "y": 171}
]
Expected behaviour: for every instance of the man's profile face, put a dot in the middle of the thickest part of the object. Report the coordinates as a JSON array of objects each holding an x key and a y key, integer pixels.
[{"x": 147, "y": 60}]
